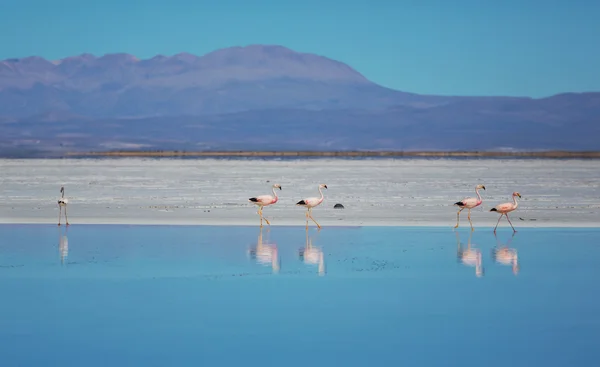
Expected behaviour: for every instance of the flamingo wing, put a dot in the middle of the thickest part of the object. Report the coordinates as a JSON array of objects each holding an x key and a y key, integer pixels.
[
  {"x": 470, "y": 202},
  {"x": 262, "y": 199},
  {"x": 312, "y": 201},
  {"x": 505, "y": 207}
]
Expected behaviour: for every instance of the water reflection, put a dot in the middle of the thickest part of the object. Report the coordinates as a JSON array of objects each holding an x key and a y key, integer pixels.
[
  {"x": 312, "y": 255},
  {"x": 63, "y": 245},
  {"x": 505, "y": 255},
  {"x": 265, "y": 254},
  {"x": 469, "y": 256}
]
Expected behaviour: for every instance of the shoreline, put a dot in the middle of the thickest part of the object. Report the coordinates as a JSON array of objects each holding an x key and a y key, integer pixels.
[
  {"x": 551, "y": 154},
  {"x": 220, "y": 222}
]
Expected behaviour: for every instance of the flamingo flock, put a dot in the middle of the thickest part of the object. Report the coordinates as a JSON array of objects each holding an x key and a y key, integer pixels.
[
  {"x": 309, "y": 203},
  {"x": 471, "y": 203}
]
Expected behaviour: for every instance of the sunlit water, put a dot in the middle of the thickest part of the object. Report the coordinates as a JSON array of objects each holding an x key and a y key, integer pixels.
[{"x": 231, "y": 296}]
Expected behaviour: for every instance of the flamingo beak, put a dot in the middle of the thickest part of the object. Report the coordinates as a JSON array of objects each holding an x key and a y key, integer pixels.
[
  {"x": 279, "y": 187},
  {"x": 325, "y": 186},
  {"x": 519, "y": 195},
  {"x": 483, "y": 187}
]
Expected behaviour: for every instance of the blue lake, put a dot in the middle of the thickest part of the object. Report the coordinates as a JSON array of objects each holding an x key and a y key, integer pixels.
[{"x": 94, "y": 295}]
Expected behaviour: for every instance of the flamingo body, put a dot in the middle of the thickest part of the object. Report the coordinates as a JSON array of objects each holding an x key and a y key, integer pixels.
[
  {"x": 264, "y": 200},
  {"x": 504, "y": 208},
  {"x": 310, "y": 202},
  {"x": 469, "y": 203}
]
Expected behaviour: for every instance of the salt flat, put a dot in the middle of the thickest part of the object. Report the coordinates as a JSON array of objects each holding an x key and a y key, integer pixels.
[{"x": 413, "y": 192}]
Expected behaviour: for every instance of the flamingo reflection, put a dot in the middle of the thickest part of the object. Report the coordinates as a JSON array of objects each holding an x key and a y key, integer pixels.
[
  {"x": 504, "y": 255},
  {"x": 63, "y": 246},
  {"x": 469, "y": 256},
  {"x": 312, "y": 255},
  {"x": 265, "y": 254}
]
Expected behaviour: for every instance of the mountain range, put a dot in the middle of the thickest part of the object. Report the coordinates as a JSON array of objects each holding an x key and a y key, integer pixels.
[{"x": 264, "y": 97}]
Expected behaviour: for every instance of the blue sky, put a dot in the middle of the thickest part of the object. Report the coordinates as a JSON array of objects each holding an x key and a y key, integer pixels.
[{"x": 521, "y": 48}]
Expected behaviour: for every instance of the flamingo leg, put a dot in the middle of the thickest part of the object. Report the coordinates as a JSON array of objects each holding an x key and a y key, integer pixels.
[
  {"x": 261, "y": 217},
  {"x": 59, "y": 214},
  {"x": 313, "y": 219},
  {"x": 513, "y": 228},
  {"x": 469, "y": 216},
  {"x": 307, "y": 214},
  {"x": 66, "y": 218},
  {"x": 498, "y": 222},
  {"x": 458, "y": 217}
]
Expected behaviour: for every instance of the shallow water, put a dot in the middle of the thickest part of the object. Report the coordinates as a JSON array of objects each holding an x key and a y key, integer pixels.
[{"x": 123, "y": 295}]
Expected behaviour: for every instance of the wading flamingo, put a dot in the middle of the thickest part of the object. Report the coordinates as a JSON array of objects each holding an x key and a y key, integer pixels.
[
  {"x": 265, "y": 200},
  {"x": 469, "y": 203},
  {"x": 506, "y": 208},
  {"x": 310, "y": 203},
  {"x": 62, "y": 202}
]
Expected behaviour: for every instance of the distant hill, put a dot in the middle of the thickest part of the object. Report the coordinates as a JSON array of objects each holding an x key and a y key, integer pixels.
[{"x": 264, "y": 97}]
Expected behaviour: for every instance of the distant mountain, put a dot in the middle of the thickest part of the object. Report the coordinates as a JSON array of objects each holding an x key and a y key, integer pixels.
[{"x": 264, "y": 96}]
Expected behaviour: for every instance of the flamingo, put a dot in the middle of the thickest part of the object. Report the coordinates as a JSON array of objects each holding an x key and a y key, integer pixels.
[
  {"x": 265, "y": 200},
  {"x": 506, "y": 208},
  {"x": 62, "y": 202},
  {"x": 310, "y": 203},
  {"x": 469, "y": 203}
]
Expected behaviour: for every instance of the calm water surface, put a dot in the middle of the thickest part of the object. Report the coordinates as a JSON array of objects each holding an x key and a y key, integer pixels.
[{"x": 233, "y": 296}]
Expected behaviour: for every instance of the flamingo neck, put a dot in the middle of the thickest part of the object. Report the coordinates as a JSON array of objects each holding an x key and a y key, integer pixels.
[
  {"x": 275, "y": 194},
  {"x": 62, "y": 194},
  {"x": 479, "y": 199},
  {"x": 515, "y": 201},
  {"x": 321, "y": 192}
]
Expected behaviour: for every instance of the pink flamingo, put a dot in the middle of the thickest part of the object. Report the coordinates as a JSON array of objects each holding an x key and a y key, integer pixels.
[
  {"x": 469, "y": 203},
  {"x": 265, "y": 200},
  {"x": 506, "y": 208},
  {"x": 311, "y": 203},
  {"x": 62, "y": 202}
]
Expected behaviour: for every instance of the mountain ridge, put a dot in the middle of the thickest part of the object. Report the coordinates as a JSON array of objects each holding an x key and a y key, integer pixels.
[{"x": 264, "y": 95}]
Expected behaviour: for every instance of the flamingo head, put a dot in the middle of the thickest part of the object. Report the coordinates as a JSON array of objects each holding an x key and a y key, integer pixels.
[
  {"x": 517, "y": 194},
  {"x": 277, "y": 186},
  {"x": 62, "y": 189},
  {"x": 480, "y": 187},
  {"x": 322, "y": 186}
]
